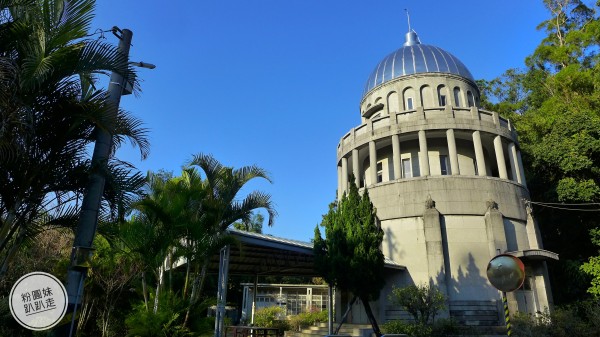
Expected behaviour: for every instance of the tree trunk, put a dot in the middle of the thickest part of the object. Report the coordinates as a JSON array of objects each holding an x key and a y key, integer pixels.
[
  {"x": 12, "y": 251},
  {"x": 192, "y": 296},
  {"x": 343, "y": 320},
  {"x": 371, "y": 317},
  {"x": 158, "y": 285},
  {"x": 144, "y": 289},
  {"x": 170, "y": 257},
  {"x": 187, "y": 277}
]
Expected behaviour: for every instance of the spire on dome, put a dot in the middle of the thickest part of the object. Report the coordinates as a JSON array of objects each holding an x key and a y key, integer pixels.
[{"x": 411, "y": 37}]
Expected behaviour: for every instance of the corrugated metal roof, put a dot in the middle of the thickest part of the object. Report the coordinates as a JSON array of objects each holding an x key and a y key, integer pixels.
[{"x": 275, "y": 242}]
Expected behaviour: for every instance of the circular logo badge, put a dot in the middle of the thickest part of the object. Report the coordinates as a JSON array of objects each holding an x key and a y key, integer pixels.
[{"x": 38, "y": 301}]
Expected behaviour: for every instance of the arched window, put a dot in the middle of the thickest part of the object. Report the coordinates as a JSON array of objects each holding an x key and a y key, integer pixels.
[
  {"x": 427, "y": 99},
  {"x": 393, "y": 102},
  {"x": 457, "y": 96},
  {"x": 442, "y": 99},
  {"x": 408, "y": 96},
  {"x": 470, "y": 100}
]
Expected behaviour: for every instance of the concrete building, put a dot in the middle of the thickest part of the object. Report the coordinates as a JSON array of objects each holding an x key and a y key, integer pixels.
[{"x": 448, "y": 183}]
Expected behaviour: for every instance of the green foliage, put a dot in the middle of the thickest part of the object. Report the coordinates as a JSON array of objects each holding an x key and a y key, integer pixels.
[
  {"x": 592, "y": 266},
  {"x": 48, "y": 113},
  {"x": 422, "y": 301},
  {"x": 411, "y": 329},
  {"x": 555, "y": 105},
  {"x": 351, "y": 246},
  {"x": 167, "y": 321},
  {"x": 306, "y": 319},
  {"x": 253, "y": 224},
  {"x": 268, "y": 317},
  {"x": 577, "y": 319},
  {"x": 441, "y": 328}
]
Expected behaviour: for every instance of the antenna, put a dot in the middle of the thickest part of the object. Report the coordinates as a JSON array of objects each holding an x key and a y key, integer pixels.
[{"x": 408, "y": 18}]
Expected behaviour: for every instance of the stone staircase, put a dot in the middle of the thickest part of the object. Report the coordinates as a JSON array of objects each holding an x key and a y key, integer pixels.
[
  {"x": 320, "y": 330},
  {"x": 476, "y": 313}
]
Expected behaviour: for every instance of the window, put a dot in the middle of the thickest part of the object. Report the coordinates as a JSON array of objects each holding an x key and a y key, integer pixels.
[
  {"x": 441, "y": 92},
  {"x": 457, "y": 96},
  {"x": 470, "y": 98},
  {"x": 406, "y": 168},
  {"x": 442, "y": 100},
  {"x": 409, "y": 103},
  {"x": 379, "y": 172},
  {"x": 444, "y": 165}
]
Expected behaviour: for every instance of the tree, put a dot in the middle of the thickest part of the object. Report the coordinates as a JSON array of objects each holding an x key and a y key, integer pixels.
[
  {"x": 421, "y": 301},
  {"x": 554, "y": 104},
  {"x": 222, "y": 208},
  {"x": 49, "y": 108},
  {"x": 253, "y": 224},
  {"x": 187, "y": 216},
  {"x": 349, "y": 257},
  {"x": 592, "y": 266}
]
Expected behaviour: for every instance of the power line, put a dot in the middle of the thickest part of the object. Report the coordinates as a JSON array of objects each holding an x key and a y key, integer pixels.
[{"x": 565, "y": 207}]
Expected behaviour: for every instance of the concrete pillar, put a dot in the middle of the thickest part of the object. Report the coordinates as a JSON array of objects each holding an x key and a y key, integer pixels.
[
  {"x": 434, "y": 247},
  {"x": 520, "y": 163},
  {"x": 533, "y": 232},
  {"x": 500, "y": 157},
  {"x": 479, "y": 158},
  {"x": 423, "y": 154},
  {"x": 339, "y": 189},
  {"x": 344, "y": 174},
  {"x": 514, "y": 162},
  {"x": 494, "y": 227},
  {"x": 356, "y": 167},
  {"x": 396, "y": 156},
  {"x": 452, "y": 153},
  {"x": 373, "y": 162}
]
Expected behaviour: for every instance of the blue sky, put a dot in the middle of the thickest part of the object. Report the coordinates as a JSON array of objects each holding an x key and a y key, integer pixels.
[{"x": 277, "y": 83}]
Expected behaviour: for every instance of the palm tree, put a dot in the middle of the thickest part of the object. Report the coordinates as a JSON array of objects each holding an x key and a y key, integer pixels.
[
  {"x": 221, "y": 207},
  {"x": 49, "y": 109},
  {"x": 188, "y": 216}
]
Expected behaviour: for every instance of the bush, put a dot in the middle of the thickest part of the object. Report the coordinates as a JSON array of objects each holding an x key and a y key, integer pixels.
[
  {"x": 441, "y": 328},
  {"x": 307, "y": 319},
  {"x": 421, "y": 301},
  {"x": 271, "y": 317},
  {"x": 446, "y": 327},
  {"x": 577, "y": 319},
  {"x": 411, "y": 329}
]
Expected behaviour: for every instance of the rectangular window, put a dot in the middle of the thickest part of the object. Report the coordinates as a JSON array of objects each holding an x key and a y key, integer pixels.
[
  {"x": 406, "y": 168},
  {"x": 442, "y": 100},
  {"x": 444, "y": 165},
  {"x": 409, "y": 103},
  {"x": 379, "y": 172}
]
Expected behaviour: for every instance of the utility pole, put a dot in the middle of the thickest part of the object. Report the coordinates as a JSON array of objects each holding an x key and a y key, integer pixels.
[{"x": 88, "y": 218}]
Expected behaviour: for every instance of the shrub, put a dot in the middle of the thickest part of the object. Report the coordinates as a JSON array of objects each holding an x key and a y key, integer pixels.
[
  {"x": 411, "y": 329},
  {"x": 266, "y": 317},
  {"x": 441, "y": 328},
  {"x": 445, "y": 327},
  {"x": 271, "y": 317},
  {"x": 577, "y": 319},
  {"x": 306, "y": 319},
  {"x": 421, "y": 301}
]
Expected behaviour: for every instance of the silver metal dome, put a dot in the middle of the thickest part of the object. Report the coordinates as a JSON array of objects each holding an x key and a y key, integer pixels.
[{"x": 415, "y": 58}]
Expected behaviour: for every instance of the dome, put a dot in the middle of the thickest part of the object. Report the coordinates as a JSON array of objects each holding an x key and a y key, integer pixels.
[{"x": 416, "y": 58}]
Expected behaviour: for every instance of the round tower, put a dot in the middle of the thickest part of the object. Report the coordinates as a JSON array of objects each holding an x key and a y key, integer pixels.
[{"x": 448, "y": 183}]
